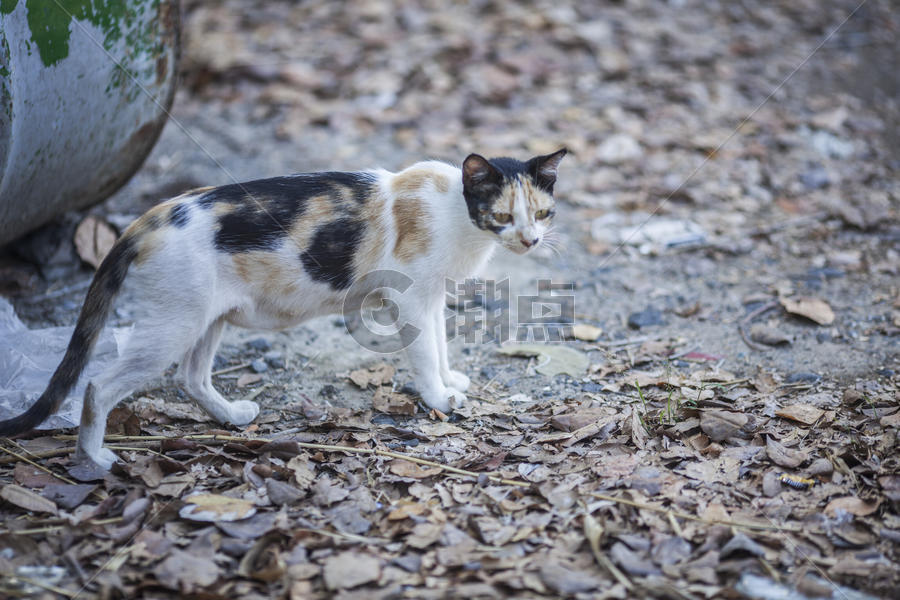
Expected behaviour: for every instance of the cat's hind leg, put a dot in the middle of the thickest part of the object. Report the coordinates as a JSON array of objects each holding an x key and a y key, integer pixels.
[
  {"x": 196, "y": 373},
  {"x": 150, "y": 349}
]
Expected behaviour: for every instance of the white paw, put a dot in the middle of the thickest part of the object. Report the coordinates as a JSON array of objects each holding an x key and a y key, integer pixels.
[
  {"x": 457, "y": 380},
  {"x": 445, "y": 400},
  {"x": 104, "y": 458},
  {"x": 242, "y": 412}
]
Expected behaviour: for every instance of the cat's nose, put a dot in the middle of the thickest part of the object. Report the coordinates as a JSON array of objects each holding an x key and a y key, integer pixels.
[{"x": 528, "y": 244}]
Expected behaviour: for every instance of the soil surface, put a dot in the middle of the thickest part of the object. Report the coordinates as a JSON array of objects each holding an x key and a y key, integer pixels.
[{"x": 726, "y": 222}]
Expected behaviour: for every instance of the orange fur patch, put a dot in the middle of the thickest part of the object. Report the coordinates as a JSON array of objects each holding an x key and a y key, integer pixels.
[
  {"x": 371, "y": 247},
  {"x": 410, "y": 221},
  {"x": 149, "y": 229},
  {"x": 266, "y": 273}
]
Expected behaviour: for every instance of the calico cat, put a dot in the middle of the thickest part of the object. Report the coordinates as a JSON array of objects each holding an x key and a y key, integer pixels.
[{"x": 272, "y": 253}]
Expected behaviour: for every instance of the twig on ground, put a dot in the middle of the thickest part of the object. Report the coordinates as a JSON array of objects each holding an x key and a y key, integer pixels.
[
  {"x": 746, "y": 321},
  {"x": 40, "y": 584},
  {"x": 16, "y": 456},
  {"x": 215, "y": 437},
  {"x": 681, "y": 515},
  {"x": 230, "y": 369}
]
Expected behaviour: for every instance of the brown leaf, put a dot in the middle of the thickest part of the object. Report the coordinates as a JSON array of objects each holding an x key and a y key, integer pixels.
[
  {"x": 388, "y": 401},
  {"x": 404, "y": 468},
  {"x": 27, "y": 499},
  {"x": 327, "y": 493},
  {"x": 380, "y": 374},
  {"x": 566, "y": 581},
  {"x": 263, "y": 561},
  {"x": 304, "y": 473},
  {"x": 350, "y": 569},
  {"x": 214, "y": 507},
  {"x": 783, "y": 456},
  {"x": 853, "y": 505},
  {"x": 768, "y": 335},
  {"x": 248, "y": 379},
  {"x": 891, "y": 420},
  {"x": 282, "y": 493},
  {"x": 32, "y": 477},
  {"x": 93, "y": 239},
  {"x": 638, "y": 432},
  {"x": 721, "y": 425},
  {"x": 811, "y": 308},
  {"x": 424, "y": 535},
  {"x": 67, "y": 495},
  {"x": 184, "y": 572},
  {"x": 802, "y": 413}
]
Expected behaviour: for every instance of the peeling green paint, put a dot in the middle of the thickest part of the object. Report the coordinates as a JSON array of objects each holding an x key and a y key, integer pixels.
[
  {"x": 127, "y": 31},
  {"x": 50, "y": 23},
  {"x": 5, "y": 73}
]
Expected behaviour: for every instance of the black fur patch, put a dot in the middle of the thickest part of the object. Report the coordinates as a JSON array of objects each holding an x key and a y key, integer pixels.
[
  {"x": 265, "y": 209},
  {"x": 329, "y": 258},
  {"x": 509, "y": 167},
  {"x": 180, "y": 215}
]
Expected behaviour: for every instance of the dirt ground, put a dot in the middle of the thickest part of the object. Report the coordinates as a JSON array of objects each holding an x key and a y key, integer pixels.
[{"x": 728, "y": 225}]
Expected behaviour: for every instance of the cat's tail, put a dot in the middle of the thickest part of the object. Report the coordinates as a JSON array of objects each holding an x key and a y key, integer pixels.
[{"x": 103, "y": 290}]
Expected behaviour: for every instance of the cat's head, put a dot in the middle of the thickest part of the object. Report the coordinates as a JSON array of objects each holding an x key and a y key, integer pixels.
[{"x": 511, "y": 198}]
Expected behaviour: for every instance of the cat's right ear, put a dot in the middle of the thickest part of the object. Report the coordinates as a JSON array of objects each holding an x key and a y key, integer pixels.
[{"x": 478, "y": 173}]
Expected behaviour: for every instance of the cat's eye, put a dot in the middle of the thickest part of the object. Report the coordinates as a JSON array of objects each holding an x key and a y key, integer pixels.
[
  {"x": 542, "y": 214},
  {"x": 502, "y": 217}
]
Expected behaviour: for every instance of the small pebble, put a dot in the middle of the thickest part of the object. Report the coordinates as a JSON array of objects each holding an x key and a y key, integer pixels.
[
  {"x": 328, "y": 391},
  {"x": 275, "y": 359},
  {"x": 261, "y": 344},
  {"x": 645, "y": 318},
  {"x": 383, "y": 419},
  {"x": 592, "y": 387},
  {"x": 259, "y": 366},
  {"x": 815, "y": 178},
  {"x": 803, "y": 377}
]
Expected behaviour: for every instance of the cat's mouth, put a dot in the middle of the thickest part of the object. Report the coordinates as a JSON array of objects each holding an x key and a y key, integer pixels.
[{"x": 520, "y": 248}]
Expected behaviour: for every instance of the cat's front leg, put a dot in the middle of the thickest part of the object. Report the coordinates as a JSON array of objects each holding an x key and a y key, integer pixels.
[
  {"x": 454, "y": 379},
  {"x": 420, "y": 338}
]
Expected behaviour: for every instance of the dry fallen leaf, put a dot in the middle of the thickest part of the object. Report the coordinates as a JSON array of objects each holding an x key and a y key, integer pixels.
[
  {"x": 376, "y": 375},
  {"x": 811, "y": 308},
  {"x": 782, "y": 455},
  {"x": 388, "y": 401},
  {"x": 721, "y": 425},
  {"x": 184, "y": 572},
  {"x": 802, "y": 413},
  {"x": 214, "y": 507},
  {"x": 248, "y": 379},
  {"x": 770, "y": 336},
  {"x": 24, "y": 498},
  {"x": 93, "y": 239},
  {"x": 553, "y": 358},
  {"x": 350, "y": 569},
  {"x": 404, "y": 468},
  {"x": 853, "y": 505}
]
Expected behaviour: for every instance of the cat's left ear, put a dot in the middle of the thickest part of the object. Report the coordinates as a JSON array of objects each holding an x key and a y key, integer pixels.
[{"x": 544, "y": 168}]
